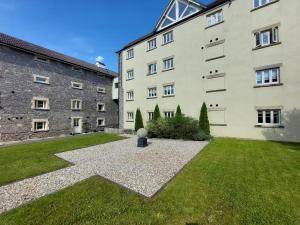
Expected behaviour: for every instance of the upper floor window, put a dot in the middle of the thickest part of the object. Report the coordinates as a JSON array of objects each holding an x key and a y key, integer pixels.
[
  {"x": 41, "y": 79},
  {"x": 259, "y": 3},
  {"x": 152, "y": 68},
  {"x": 101, "y": 90},
  {"x": 268, "y": 76},
  {"x": 168, "y": 37},
  {"x": 76, "y": 104},
  {"x": 100, "y": 107},
  {"x": 152, "y": 44},
  {"x": 152, "y": 92},
  {"x": 215, "y": 18},
  {"x": 169, "y": 90},
  {"x": 130, "y": 53},
  {"x": 269, "y": 117},
  {"x": 130, "y": 96},
  {"x": 169, "y": 114},
  {"x": 266, "y": 37},
  {"x": 168, "y": 64},
  {"x": 130, "y": 75},
  {"x": 76, "y": 85},
  {"x": 40, "y": 103}
]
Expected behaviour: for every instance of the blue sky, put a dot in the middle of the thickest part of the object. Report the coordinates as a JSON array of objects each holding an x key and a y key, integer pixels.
[{"x": 82, "y": 29}]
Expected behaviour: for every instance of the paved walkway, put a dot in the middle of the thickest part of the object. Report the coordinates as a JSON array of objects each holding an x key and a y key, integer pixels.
[{"x": 144, "y": 171}]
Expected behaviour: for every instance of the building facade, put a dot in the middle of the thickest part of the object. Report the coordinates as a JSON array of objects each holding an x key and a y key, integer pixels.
[
  {"x": 240, "y": 57},
  {"x": 44, "y": 93}
]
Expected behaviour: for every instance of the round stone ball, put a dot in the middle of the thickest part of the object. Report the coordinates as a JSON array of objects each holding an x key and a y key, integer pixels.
[{"x": 142, "y": 133}]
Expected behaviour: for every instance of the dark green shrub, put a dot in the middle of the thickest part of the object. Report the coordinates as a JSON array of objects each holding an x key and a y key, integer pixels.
[
  {"x": 157, "y": 128},
  {"x": 138, "y": 120},
  {"x": 156, "y": 115},
  {"x": 204, "y": 122},
  {"x": 201, "y": 136},
  {"x": 178, "y": 112}
]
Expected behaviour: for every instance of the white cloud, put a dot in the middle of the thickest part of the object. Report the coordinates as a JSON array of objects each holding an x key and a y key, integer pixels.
[{"x": 99, "y": 59}]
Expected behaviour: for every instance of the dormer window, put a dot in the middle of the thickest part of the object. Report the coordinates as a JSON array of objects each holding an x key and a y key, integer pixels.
[{"x": 178, "y": 10}]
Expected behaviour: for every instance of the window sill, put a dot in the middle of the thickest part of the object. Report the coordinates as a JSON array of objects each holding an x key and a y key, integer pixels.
[
  {"x": 129, "y": 58},
  {"x": 167, "y": 43},
  {"x": 269, "y": 126},
  {"x": 168, "y": 70},
  {"x": 168, "y": 96},
  {"x": 76, "y": 109},
  {"x": 266, "y": 46},
  {"x": 259, "y": 7},
  {"x": 149, "y": 50},
  {"x": 219, "y": 57},
  {"x": 41, "y": 109},
  {"x": 129, "y": 100},
  {"x": 214, "y": 24},
  {"x": 40, "y": 131},
  {"x": 268, "y": 85},
  {"x": 41, "y": 83},
  {"x": 130, "y": 121},
  {"x": 129, "y": 79},
  {"x": 218, "y": 125},
  {"x": 150, "y": 74},
  {"x": 219, "y": 90},
  {"x": 77, "y": 88},
  {"x": 151, "y": 97}
]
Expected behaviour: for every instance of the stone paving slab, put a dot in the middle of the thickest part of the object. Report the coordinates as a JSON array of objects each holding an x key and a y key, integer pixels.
[{"x": 144, "y": 171}]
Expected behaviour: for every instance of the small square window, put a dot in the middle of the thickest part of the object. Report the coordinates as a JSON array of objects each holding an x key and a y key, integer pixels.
[
  {"x": 101, "y": 90},
  {"x": 101, "y": 107},
  {"x": 100, "y": 122},
  {"x": 76, "y": 85},
  {"x": 41, "y": 79},
  {"x": 169, "y": 114},
  {"x": 39, "y": 125},
  {"x": 39, "y": 103}
]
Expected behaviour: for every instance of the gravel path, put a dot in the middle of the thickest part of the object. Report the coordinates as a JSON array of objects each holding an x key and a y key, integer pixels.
[{"x": 144, "y": 171}]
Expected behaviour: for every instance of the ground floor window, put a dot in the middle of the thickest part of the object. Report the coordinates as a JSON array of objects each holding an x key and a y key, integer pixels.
[
  {"x": 150, "y": 116},
  {"x": 269, "y": 117},
  {"x": 130, "y": 116},
  {"x": 169, "y": 114},
  {"x": 40, "y": 125}
]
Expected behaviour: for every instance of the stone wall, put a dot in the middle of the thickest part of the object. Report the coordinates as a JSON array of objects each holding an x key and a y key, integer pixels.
[{"x": 17, "y": 90}]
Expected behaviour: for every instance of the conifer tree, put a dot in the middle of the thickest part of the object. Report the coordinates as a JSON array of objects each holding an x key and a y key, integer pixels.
[
  {"x": 203, "y": 121},
  {"x": 138, "y": 120}
]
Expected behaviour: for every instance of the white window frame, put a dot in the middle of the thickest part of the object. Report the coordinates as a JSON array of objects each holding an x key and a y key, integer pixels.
[
  {"x": 101, "y": 124},
  {"x": 101, "y": 90},
  {"x": 262, "y": 74},
  {"x": 168, "y": 37},
  {"x": 260, "y": 3},
  {"x": 77, "y": 101},
  {"x": 264, "y": 112},
  {"x": 152, "y": 68},
  {"x": 130, "y": 116},
  {"x": 215, "y": 18},
  {"x": 45, "y": 125},
  {"x": 152, "y": 44},
  {"x": 101, "y": 104},
  {"x": 168, "y": 64},
  {"x": 169, "y": 90},
  {"x": 169, "y": 114},
  {"x": 77, "y": 85},
  {"x": 272, "y": 35},
  {"x": 152, "y": 92},
  {"x": 130, "y": 53},
  {"x": 36, "y": 77},
  {"x": 130, "y": 95},
  {"x": 130, "y": 74},
  {"x": 150, "y": 116},
  {"x": 46, "y": 105}
]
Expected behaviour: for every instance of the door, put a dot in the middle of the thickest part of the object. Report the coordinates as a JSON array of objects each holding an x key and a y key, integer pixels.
[{"x": 77, "y": 125}]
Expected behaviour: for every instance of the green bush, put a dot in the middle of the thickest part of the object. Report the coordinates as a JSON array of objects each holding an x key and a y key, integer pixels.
[
  {"x": 201, "y": 136},
  {"x": 138, "y": 120},
  {"x": 204, "y": 122},
  {"x": 156, "y": 115},
  {"x": 178, "y": 112}
]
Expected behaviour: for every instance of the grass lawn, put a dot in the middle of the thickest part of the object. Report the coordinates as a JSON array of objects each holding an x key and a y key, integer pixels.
[
  {"x": 27, "y": 160},
  {"x": 231, "y": 182}
]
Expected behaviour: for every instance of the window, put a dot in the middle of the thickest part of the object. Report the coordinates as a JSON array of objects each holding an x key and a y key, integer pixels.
[
  {"x": 39, "y": 125},
  {"x": 130, "y": 54},
  {"x": 167, "y": 37},
  {"x": 152, "y": 68},
  {"x": 76, "y": 104},
  {"x": 101, "y": 107},
  {"x": 269, "y": 117},
  {"x": 152, "y": 92},
  {"x": 259, "y": 3},
  {"x": 116, "y": 85},
  {"x": 41, "y": 79},
  {"x": 40, "y": 103},
  {"x": 76, "y": 85},
  {"x": 151, "y": 44},
  {"x": 41, "y": 59},
  {"x": 130, "y": 96},
  {"x": 268, "y": 76},
  {"x": 169, "y": 90},
  {"x": 266, "y": 37},
  {"x": 169, "y": 114},
  {"x": 168, "y": 64},
  {"x": 100, "y": 122},
  {"x": 215, "y": 18},
  {"x": 150, "y": 116},
  {"x": 130, "y": 116},
  {"x": 130, "y": 75},
  {"x": 101, "y": 90}
]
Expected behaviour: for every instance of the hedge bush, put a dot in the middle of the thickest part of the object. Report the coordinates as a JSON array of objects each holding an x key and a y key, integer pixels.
[
  {"x": 203, "y": 121},
  {"x": 138, "y": 120}
]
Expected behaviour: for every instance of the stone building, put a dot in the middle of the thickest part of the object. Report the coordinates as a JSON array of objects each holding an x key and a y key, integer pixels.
[
  {"x": 44, "y": 93},
  {"x": 241, "y": 57}
]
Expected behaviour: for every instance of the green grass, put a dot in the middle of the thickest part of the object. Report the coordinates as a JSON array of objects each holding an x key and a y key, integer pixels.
[
  {"x": 26, "y": 160},
  {"x": 232, "y": 182}
]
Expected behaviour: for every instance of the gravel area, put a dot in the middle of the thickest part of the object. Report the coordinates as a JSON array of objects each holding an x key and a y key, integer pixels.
[{"x": 144, "y": 171}]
